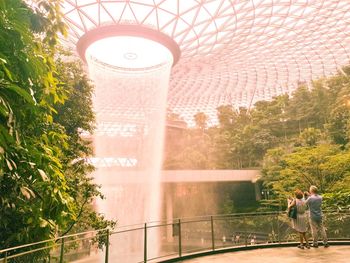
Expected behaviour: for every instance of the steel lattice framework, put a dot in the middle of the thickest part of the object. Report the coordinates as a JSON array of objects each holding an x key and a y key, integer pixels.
[{"x": 232, "y": 51}]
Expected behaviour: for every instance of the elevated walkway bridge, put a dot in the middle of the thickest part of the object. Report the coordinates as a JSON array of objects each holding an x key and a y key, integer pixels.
[{"x": 113, "y": 177}]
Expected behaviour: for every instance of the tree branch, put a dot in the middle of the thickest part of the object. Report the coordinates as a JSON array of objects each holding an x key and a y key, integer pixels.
[{"x": 79, "y": 215}]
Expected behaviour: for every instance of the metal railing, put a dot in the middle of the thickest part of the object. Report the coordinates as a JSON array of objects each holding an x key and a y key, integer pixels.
[{"x": 156, "y": 241}]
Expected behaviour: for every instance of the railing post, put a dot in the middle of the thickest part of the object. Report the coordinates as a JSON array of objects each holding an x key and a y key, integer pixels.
[
  {"x": 145, "y": 244},
  {"x": 5, "y": 260},
  {"x": 107, "y": 247},
  {"x": 180, "y": 245},
  {"x": 278, "y": 231},
  {"x": 212, "y": 232},
  {"x": 62, "y": 250}
]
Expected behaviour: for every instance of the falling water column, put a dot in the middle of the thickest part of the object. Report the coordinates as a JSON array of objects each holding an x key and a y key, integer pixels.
[{"x": 130, "y": 104}]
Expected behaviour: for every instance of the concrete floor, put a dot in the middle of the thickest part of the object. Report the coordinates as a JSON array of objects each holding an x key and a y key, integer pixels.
[{"x": 333, "y": 254}]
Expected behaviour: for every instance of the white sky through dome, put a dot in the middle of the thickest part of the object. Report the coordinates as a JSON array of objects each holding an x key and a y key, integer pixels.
[{"x": 129, "y": 52}]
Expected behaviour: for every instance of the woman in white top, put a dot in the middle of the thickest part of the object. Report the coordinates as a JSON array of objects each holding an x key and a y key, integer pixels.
[{"x": 301, "y": 222}]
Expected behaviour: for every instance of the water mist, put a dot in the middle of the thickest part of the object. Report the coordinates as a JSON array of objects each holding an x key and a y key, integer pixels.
[{"x": 130, "y": 104}]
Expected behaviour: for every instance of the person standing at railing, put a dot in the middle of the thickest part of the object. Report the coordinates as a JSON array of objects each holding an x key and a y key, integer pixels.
[
  {"x": 223, "y": 240},
  {"x": 253, "y": 240},
  {"x": 314, "y": 203},
  {"x": 237, "y": 238},
  {"x": 300, "y": 223}
]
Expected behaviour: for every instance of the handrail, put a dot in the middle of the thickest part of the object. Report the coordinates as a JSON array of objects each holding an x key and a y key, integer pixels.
[
  {"x": 155, "y": 224},
  {"x": 48, "y": 240},
  {"x": 174, "y": 220},
  {"x": 171, "y": 221}
]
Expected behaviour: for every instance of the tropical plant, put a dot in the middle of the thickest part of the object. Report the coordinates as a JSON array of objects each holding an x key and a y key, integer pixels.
[{"x": 39, "y": 182}]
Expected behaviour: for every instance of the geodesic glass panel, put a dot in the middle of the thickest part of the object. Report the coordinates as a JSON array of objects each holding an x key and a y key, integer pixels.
[{"x": 232, "y": 52}]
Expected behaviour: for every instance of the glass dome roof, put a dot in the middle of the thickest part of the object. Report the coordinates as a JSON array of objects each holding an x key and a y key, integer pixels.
[{"x": 232, "y": 51}]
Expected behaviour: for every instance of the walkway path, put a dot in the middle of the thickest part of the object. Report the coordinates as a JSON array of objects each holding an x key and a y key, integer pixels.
[{"x": 333, "y": 254}]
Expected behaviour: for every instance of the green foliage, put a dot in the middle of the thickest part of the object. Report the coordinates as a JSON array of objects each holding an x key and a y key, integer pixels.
[
  {"x": 304, "y": 167},
  {"x": 298, "y": 140},
  {"x": 201, "y": 120},
  {"x": 272, "y": 115},
  {"x": 189, "y": 149},
  {"x": 76, "y": 117},
  {"x": 33, "y": 191},
  {"x": 338, "y": 200},
  {"x": 40, "y": 184},
  {"x": 310, "y": 137},
  {"x": 228, "y": 205},
  {"x": 319, "y": 154},
  {"x": 312, "y": 115},
  {"x": 325, "y": 166}
]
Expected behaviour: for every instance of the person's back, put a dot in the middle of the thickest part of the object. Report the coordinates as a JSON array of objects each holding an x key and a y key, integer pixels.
[{"x": 315, "y": 202}]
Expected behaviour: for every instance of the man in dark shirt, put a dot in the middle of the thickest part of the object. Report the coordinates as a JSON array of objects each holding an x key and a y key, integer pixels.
[{"x": 314, "y": 203}]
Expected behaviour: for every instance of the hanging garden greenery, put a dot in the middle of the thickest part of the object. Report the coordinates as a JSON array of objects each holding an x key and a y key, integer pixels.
[{"x": 39, "y": 194}]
